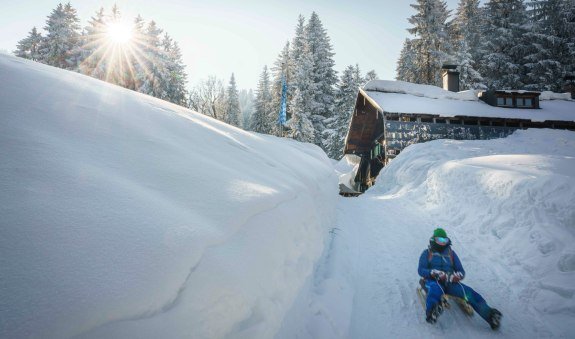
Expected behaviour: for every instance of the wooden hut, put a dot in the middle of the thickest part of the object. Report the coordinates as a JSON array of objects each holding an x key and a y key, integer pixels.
[{"x": 391, "y": 115}]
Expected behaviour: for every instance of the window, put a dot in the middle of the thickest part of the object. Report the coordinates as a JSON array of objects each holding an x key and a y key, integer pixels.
[
  {"x": 524, "y": 102},
  {"x": 505, "y": 101}
]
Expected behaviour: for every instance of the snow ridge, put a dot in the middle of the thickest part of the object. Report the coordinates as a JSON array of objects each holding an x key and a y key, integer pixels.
[{"x": 126, "y": 216}]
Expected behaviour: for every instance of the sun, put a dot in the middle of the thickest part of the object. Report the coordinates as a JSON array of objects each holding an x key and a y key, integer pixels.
[{"x": 119, "y": 32}]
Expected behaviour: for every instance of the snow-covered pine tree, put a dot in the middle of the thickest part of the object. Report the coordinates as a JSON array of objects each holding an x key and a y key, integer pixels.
[
  {"x": 260, "y": 118},
  {"x": 60, "y": 46},
  {"x": 303, "y": 100},
  {"x": 29, "y": 47},
  {"x": 323, "y": 75},
  {"x": 467, "y": 26},
  {"x": 233, "y": 104},
  {"x": 153, "y": 75},
  {"x": 469, "y": 77},
  {"x": 174, "y": 79},
  {"x": 346, "y": 95},
  {"x": 246, "y": 98},
  {"x": 503, "y": 45},
  {"x": 137, "y": 76},
  {"x": 302, "y": 87},
  {"x": 430, "y": 45},
  {"x": 280, "y": 69},
  {"x": 549, "y": 56},
  {"x": 93, "y": 42},
  {"x": 298, "y": 45},
  {"x": 466, "y": 37},
  {"x": 358, "y": 78},
  {"x": 301, "y": 127},
  {"x": 406, "y": 69}
]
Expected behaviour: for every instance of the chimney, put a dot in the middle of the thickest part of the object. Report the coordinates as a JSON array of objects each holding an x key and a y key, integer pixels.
[
  {"x": 450, "y": 77},
  {"x": 570, "y": 85}
]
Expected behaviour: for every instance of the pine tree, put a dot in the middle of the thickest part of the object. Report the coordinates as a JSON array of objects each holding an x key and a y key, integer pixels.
[
  {"x": 469, "y": 77},
  {"x": 346, "y": 95},
  {"x": 504, "y": 47},
  {"x": 29, "y": 47},
  {"x": 60, "y": 46},
  {"x": 430, "y": 45},
  {"x": 549, "y": 56},
  {"x": 152, "y": 63},
  {"x": 303, "y": 100},
  {"x": 406, "y": 69},
  {"x": 174, "y": 76},
  {"x": 246, "y": 98},
  {"x": 260, "y": 118},
  {"x": 302, "y": 88},
  {"x": 466, "y": 37},
  {"x": 467, "y": 26},
  {"x": 301, "y": 128},
  {"x": 93, "y": 47},
  {"x": 138, "y": 61},
  {"x": 233, "y": 104},
  {"x": 323, "y": 75}
]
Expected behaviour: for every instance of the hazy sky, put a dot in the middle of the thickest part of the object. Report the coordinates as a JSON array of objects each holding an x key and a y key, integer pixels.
[{"x": 218, "y": 37}]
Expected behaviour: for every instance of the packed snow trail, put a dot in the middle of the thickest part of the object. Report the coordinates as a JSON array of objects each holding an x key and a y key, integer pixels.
[{"x": 511, "y": 224}]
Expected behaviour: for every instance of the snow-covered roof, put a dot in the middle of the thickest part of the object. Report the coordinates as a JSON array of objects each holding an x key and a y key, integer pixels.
[{"x": 405, "y": 97}]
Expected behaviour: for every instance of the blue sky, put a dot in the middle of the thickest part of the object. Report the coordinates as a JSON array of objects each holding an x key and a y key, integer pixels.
[{"x": 219, "y": 37}]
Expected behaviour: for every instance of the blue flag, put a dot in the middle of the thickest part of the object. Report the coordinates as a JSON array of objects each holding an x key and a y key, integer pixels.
[{"x": 282, "y": 115}]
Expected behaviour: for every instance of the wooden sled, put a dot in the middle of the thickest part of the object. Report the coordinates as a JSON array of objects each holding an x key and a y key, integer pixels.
[{"x": 463, "y": 304}]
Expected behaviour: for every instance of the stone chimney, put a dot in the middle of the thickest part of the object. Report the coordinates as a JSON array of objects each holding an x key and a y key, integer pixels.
[
  {"x": 570, "y": 85},
  {"x": 450, "y": 77}
]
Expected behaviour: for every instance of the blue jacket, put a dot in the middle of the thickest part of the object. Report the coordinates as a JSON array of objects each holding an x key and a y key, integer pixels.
[{"x": 439, "y": 261}]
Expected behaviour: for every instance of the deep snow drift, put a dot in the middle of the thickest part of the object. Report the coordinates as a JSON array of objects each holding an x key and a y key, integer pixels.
[
  {"x": 507, "y": 204},
  {"x": 125, "y": 216}
]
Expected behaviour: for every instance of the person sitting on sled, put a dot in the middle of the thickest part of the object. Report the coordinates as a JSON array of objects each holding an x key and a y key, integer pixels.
[{"x": 442, "y": 272}]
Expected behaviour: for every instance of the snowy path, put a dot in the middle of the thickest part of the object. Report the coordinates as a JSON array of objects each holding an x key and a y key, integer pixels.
[
  {"x": 371, "y": 268},
  {"x": 385, "y": 277}
]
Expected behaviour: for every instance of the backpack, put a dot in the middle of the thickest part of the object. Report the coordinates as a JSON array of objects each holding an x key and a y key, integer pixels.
[{"x": 430, "y": 256}]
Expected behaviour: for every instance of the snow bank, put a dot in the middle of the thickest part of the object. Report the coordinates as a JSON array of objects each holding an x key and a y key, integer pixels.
[
  {"x": 124, "y": 216},
  {"x": 427, "y": 91},
  {"x": 508, "y": 203},
  {"x": 548, "y": 95}
]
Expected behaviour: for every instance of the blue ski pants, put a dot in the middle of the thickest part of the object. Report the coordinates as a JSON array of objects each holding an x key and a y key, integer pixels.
[{"x": 435, "y": 290}]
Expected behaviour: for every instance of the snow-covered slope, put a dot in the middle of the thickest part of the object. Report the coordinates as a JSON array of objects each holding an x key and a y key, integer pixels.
[
  {"x": 507, "y": 204},
  {"x": 123, "y": 216}
]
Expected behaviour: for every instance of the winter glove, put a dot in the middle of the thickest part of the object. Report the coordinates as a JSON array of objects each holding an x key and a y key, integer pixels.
[
  {"x": 455, "y": 277},
  {"x": 438, "y": 275}
]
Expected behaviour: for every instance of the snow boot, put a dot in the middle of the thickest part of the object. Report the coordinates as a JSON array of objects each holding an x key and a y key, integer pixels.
[
  {"x": 432, "y": 315},
  {"x": 494, "y": 319}
]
